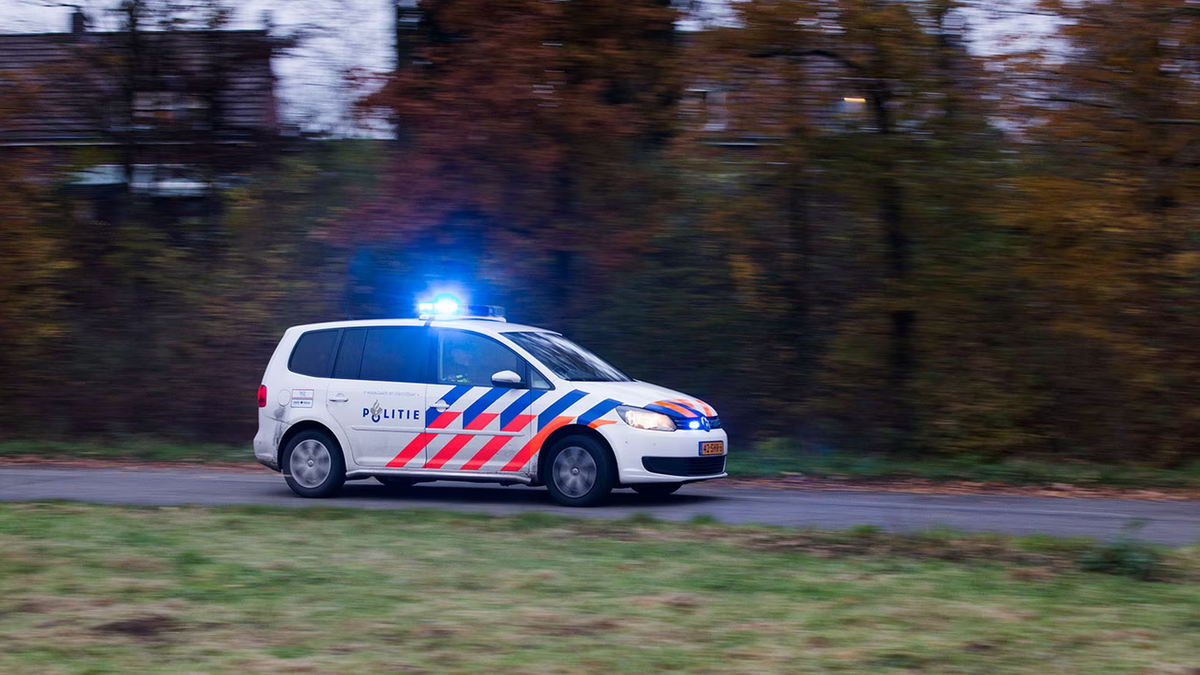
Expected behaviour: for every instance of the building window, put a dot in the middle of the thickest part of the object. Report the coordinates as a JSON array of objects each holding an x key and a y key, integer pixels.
[{"x": 156, "y": 109}]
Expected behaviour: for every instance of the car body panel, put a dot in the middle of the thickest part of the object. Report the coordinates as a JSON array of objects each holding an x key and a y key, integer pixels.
[{"x": 479, "y": 432}]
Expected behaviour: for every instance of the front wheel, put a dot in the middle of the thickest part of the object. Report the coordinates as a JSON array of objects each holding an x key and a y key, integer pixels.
[
  {"x": 313, "y": 464},
  {"x": 579, "y": 472}
]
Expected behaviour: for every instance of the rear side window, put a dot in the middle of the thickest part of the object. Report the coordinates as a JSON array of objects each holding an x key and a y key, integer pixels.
[
  {"x": 349, "y": 358},
  {"x": 313, "y": 353},
  {"x": 393, "y": 354}
]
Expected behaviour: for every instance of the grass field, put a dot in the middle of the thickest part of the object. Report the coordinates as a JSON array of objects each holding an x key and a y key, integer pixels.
[
  {"x": 143, "y": 449},
  {"x": 87, "y": 589}
]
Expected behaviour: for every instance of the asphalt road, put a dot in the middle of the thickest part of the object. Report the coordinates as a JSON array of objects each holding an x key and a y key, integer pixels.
[{"x": 1171, "y": 523}]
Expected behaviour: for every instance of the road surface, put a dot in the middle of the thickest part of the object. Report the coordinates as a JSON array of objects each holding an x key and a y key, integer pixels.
[{"x": 1170, "y": 523}]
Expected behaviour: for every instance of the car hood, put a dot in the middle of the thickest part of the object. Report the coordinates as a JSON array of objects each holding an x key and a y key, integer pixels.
[{"x": 651, "y": 396}]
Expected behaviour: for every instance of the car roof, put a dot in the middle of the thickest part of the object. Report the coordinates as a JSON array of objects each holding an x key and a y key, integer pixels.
[{"x": 487, "y": 326}]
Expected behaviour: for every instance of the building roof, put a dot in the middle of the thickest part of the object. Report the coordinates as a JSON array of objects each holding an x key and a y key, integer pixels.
[{"x": 90, "y": 88}]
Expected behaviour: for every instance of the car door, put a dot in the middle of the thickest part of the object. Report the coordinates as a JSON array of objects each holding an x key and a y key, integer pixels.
[
  {"x": 473, "y": 426},
  {"x": 310, "y": 363},
  {"x": 377, "y": 394}
]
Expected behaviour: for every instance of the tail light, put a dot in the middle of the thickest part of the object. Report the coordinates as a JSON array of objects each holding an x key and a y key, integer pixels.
[{"x": 262, "y": 395}]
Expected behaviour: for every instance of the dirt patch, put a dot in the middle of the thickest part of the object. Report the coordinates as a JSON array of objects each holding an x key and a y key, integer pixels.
[
  {"x": 680, "y": 601},
  {"x": 917, "y": 546},
  {"x": 151, "y": 628},
  {"x": 582, "y": 628},
  {"x": 437, "y": 632}
]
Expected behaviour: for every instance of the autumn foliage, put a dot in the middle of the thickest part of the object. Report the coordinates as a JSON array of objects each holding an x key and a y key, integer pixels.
[{"x": 840, "y": 221}]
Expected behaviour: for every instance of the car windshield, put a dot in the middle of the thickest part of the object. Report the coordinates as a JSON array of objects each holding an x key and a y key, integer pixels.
[{"x": 567, "y": 359}]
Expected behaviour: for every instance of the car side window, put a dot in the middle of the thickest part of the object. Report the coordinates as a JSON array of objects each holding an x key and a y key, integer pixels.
[
  {"x": 313, "y": 353},
  {"x": 470, "y": 359},
  {"x": 349, "y": 357},
  {"x": 393, "y": 354},
  {"x": 536, "y": 381}
]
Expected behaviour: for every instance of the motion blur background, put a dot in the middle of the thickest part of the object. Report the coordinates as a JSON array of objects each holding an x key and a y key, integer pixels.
[{"x": 918, "y": 227}]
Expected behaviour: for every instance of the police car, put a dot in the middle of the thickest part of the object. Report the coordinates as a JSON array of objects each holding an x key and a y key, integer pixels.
[{"x": 461, "y": 394}]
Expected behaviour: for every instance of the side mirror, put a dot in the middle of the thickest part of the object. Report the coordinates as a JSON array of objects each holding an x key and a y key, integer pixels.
[{"x": 507, "y": 379}]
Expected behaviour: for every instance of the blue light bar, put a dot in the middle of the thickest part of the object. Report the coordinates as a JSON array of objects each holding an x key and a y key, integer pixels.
[{"x": 447, "y": 307}]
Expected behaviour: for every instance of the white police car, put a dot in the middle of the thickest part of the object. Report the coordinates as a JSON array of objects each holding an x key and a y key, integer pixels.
[{"x": 447, "y": 397}]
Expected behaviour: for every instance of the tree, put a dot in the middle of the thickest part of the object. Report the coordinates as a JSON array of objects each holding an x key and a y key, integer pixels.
[
  {"x": 1108, "y": 203},
  {"x": 33, "y": 261},
  {"x": 154, "y": 317},
  {"x": 847, "y": 99},
  {"x": 530, "y": 131}
]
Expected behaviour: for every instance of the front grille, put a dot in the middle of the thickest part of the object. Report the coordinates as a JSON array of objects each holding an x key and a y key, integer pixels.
[
  {"x": 685, "y": 466},
  {"x": 714, "y": 422}
]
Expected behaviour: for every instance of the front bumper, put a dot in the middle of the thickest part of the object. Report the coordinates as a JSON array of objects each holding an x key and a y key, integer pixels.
[
  {"x": 664, "y": 456},
  {"x": 685, "y": 467}
]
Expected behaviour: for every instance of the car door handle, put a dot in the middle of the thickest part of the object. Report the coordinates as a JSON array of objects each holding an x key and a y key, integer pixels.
[
  {"x": 339, "y": 398},
  {"x": 441, "y": 406}
]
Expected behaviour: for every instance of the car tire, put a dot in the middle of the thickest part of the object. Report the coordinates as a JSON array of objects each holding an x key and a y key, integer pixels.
[
  {"x": 656, "y": 489},
  {"x": 313, "y": 465},
  {"x": 579, "y": 471}
]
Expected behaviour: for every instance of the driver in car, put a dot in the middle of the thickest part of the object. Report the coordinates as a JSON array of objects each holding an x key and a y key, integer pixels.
[{"x": 462, "y": 369}]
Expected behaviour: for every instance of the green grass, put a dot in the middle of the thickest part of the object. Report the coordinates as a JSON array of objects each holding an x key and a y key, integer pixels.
[
  {"x": 781, "y": 457},
  {"x": 135, "y": 448},
  {"x": 89, "y": 589}
]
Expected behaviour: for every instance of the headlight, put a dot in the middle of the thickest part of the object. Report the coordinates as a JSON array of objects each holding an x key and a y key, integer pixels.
[{"x": 645, "y": 419}]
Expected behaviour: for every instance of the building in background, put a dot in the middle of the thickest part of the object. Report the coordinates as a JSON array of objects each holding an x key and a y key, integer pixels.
[{"x": 166, "y": 115}]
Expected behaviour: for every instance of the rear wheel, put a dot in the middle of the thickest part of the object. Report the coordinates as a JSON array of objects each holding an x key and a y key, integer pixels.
[
  {"x": 313, "y": 464},
  {"x": 656, "y": 489},
  {"x": 578, "y": 472}
]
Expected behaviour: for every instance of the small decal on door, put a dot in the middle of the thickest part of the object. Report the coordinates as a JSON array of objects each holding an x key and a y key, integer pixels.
[{"x": 302, "y": 398}]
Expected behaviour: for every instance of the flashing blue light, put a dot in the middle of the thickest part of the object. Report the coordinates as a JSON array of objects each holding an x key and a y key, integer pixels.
[
  {"x": 449, "y": 307},
  {"x": 445, "y": 305},
  {"x": 694, "y": 424},
  {"x": 442, "y": 306}
]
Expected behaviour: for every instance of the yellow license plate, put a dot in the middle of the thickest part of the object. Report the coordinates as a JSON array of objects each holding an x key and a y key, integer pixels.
[{"x": 712, "y": 447}]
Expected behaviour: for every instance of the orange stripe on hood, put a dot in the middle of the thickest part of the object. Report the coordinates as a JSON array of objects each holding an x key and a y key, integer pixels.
[{"x": 677, "y": 408}]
